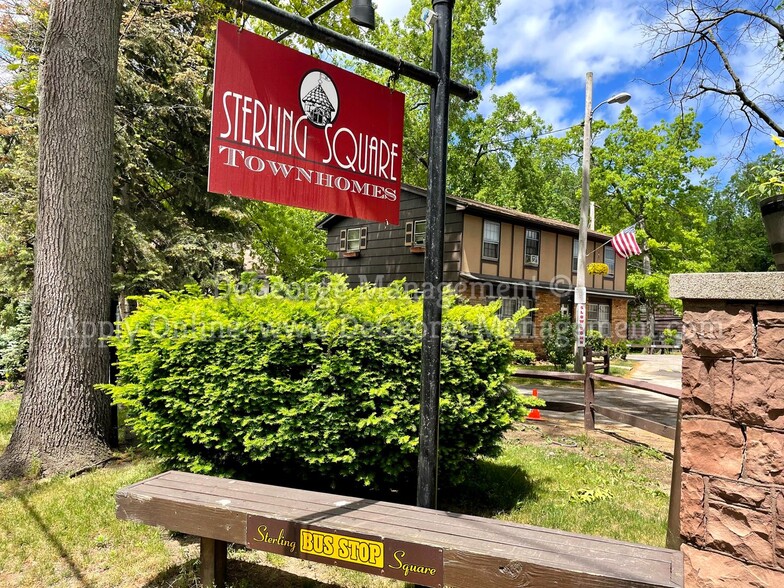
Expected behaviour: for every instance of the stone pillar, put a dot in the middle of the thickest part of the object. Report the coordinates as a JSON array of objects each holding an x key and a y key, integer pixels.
[{"x": 732, "y": 431}]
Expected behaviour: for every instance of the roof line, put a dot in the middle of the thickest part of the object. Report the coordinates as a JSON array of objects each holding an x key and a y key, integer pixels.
[{"x": 492, "y": 209}]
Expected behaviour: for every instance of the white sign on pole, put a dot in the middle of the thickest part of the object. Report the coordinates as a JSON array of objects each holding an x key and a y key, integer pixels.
[{"x": 581, "y": 324}]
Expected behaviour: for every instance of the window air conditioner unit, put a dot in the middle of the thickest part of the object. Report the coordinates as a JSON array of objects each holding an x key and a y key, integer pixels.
[{"x": 532, "y": 259}]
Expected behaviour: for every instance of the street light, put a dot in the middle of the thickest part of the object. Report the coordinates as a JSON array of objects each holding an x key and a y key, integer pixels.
[
  {"x": 580, "y": 295},
  {"x": 363, "y": 14}
]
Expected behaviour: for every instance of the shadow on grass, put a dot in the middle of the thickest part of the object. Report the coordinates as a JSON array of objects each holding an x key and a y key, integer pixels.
[
  {"x": 490, "y": 489},
  {"x": 62, "y": 551},
  {"x": 239, "y": 574}
]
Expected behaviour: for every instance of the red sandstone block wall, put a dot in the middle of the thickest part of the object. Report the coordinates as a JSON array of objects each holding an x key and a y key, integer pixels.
[{"x": 732, "y": 438}]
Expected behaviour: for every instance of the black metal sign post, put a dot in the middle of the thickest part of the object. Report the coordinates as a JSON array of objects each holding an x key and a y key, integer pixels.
[
  {"x": 442, "y": 86},
  {"x": 427, "y": 485},
  {"x": 302, "y": 26}
]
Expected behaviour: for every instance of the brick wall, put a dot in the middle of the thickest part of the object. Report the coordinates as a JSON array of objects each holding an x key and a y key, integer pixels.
[
  {"x": 619, "y": 314},
  {"x": 732, "y": 439}
]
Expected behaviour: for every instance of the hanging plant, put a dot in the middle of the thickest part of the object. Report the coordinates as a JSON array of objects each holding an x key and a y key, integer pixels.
[{"x": 598, "y": 269}]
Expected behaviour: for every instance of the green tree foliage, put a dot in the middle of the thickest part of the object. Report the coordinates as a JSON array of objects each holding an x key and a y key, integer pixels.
[
  {"x": 735, "y": 229},
  {"x": 315, "y": 379},
  {"x": 472, "y": 63},
  {"x": 496, "y": 156},
  {"x": 168, "y": 231},
  {"x": 652, "y": 178},
  {"x": 14, "y": 340},
  {"x": 646, "y": 176},
  {"x": 18, "y": 146}
]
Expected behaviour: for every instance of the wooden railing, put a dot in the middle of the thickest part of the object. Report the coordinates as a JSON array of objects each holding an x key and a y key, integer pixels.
[{"x": 589, "y": 406}]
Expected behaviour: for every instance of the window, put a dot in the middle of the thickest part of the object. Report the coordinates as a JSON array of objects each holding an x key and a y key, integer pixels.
[
  {"x": 415, "y": 233},
  {"x": 599, "y": 318},
  {"x": 532, "y": 247},
  {"x": 353, "y": 239},
  {"x": 491, "y": 240},
  {"x": 609, "y": 258},
  {"x": 419, "y": 233},
  {"x": 509, "y": 306},
  {"x": 575, "y": 254}
]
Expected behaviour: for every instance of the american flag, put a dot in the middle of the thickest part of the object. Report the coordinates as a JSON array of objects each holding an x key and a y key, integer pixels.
[{"x": 625, "y": 243}]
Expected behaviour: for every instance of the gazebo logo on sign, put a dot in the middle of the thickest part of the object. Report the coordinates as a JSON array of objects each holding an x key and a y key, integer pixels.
[{"x": 318, "y": 98}]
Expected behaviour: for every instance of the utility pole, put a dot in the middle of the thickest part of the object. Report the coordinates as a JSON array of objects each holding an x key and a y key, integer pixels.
[
  {"x": 585, "y": 210},
  {"x": 586, "y": 213}
]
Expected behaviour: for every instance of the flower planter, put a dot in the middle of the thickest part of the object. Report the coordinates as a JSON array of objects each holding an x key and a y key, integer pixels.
[
  {"x": 598, "y": 269},
  {"x": 772, "y": 209}
]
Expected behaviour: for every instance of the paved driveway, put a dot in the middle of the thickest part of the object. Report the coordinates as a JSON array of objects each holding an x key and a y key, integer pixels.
[{"x": 664, "y": 370}]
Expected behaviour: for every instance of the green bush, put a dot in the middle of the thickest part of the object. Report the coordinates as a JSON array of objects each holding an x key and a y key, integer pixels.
[
  {"x": 619, "y": 350},
  {"x": 670, "y": 336},
  {"x": 642, "y": 341},
  {"x": 595, "y": 340},
  {"x": 14, "y": 343},
  {"x": 523, "y": 357},
  {"x": 320, "y": 381},
  {"x": 558, "y": 337}
]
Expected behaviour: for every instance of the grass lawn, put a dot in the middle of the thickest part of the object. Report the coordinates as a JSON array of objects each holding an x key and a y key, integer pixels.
[{"x": 63, "y": 532}]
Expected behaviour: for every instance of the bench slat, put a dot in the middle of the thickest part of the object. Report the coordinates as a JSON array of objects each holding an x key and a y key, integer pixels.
[
  {"x": 367, "y": 516},
  {"x": 473, "y": 570},
  {"x": 477, "y": 552},
  {"x": 271, "y": 496}
]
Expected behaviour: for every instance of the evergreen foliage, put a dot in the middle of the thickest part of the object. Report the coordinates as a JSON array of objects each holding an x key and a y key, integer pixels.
[
  {"x": 558, "y": 337},
  {"x": 312, "y": 380},
  {"x": 14, "y": 341}
]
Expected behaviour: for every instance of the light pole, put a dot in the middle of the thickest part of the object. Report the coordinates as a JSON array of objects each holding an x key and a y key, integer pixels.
[{"x": 580, "y": 294}]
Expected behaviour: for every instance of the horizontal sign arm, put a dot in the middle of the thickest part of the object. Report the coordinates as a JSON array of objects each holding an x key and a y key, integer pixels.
[{"x": 304, "y": 27}]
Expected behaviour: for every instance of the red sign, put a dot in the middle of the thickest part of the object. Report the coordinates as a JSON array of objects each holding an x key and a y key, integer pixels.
[{"x": 295, "y": 130}]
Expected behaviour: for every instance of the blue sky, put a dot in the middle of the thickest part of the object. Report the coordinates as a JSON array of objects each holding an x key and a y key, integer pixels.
[{"x": 546, "y": 47}]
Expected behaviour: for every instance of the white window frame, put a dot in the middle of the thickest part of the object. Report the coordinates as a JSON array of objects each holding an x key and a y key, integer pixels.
[
  {"x": 532, "y": 259},
  {"x": 599, "y": 318},
  {"x": 609, "y": 260},
  {"x": 486, "y": 241},
  {"x": 353, "y": 239},
  {"x": 420, "y": 231},
  {"x": 575, "y": 255}
]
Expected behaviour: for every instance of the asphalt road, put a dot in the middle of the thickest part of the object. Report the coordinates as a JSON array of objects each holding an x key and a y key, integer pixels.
[{"x": 664, "y": 370}]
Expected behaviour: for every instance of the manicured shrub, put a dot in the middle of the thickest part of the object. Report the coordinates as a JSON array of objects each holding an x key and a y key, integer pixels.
[
  {"x": 321, "y": 381},
  {"x": 524, "y": 357},
  {"x": 558, "y": 337}
]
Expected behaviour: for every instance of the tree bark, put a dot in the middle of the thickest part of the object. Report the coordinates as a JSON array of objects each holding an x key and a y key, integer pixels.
[{"x": 63, "y": 420}]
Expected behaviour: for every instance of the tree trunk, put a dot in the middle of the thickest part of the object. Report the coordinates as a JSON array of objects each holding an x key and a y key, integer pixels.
[{"x": 63, "y": 420}]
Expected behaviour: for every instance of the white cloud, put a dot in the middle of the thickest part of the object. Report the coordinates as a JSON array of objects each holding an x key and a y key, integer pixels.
[
  {"x": 389, "y": 9},
  {"x": 566, "y": 38},
  {"x": 533, "y": 94}
]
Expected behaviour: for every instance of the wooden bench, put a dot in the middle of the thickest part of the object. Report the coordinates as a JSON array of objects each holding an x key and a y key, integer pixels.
[{"x": 416, "y": 545}]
